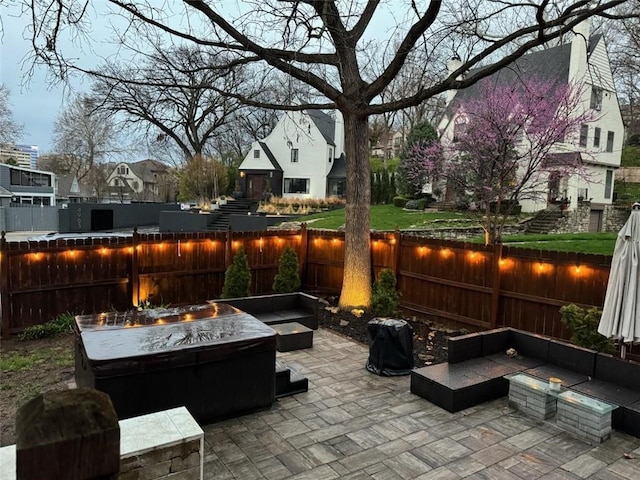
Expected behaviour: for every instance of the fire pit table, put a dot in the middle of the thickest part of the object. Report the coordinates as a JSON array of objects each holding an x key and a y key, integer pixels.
[{"x": 214, "y": 359}]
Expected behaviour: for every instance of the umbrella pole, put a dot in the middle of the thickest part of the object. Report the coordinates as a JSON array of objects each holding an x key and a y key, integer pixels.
[{"x": 623, "y": 350}]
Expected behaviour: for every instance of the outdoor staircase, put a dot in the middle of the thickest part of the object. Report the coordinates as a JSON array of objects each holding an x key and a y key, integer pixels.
[
  {"x": 444, "y": 206},
  {"x": 238, "y": 206},
  {"x": 288, "y": 381},
  {"x": 544, "y": 221}
]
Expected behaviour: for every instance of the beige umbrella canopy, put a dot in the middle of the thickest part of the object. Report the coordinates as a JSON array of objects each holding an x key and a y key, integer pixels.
[{"x": 621, "y": 313}]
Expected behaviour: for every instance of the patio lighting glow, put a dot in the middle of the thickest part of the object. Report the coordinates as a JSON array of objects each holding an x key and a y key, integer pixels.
[
  {"x": 36, "y": 256},
  {"x": 235, "y": 244},
  {"x": 71, "y": 253},
  {"x": 138, "y": 247},
  {"x": 130, "y": 250},
  {"x": 423, "y": 250},
  {"x": 392, "y": 241},
  {"x": 445, "y": 252},
  {"x": 104, "y": 251},
  {"x": 160, "y": 246}
]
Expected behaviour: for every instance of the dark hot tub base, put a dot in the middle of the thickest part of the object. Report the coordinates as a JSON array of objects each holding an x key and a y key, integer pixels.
[{"x": 216, "y": 367}]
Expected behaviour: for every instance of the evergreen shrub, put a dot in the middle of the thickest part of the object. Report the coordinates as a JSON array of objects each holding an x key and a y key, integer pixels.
[
  {"x": 584, "y": 328},
  {"x": 287, "y": 280},
  {"x": 237, "y": 278},
  {"x": 399, "y": 202},
  {"x": 385, "y": 297}
]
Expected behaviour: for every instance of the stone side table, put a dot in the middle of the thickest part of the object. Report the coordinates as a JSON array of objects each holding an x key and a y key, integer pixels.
[
  {"x": 531, "y": 396},
  {"x": 585, "y": 417}
]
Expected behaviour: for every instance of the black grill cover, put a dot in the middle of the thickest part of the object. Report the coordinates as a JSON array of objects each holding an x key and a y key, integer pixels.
[{"x": 390, "y": 347}]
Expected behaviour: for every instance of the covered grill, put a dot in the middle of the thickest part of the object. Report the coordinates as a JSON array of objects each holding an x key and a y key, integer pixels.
[{"x": 214, "y": 359}]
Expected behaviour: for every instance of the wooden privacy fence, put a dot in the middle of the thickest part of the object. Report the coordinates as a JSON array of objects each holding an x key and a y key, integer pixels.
[{"x": 469, "y": 284}]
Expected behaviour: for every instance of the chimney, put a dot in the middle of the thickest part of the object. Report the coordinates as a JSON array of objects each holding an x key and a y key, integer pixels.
[
  {"x": 579, "y": 51},
  {"x": 453, "y": 64}
]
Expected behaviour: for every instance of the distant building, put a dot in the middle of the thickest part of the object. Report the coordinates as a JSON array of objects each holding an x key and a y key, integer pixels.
[
  {"x": 27, "y": 186},
  {"x": 33, "y": 152},
  {"x": 20, "y": 155},
  {"x": 143, "y": 181}
]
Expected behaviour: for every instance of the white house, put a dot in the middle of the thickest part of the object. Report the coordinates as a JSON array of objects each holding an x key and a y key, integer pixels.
[
  {"x": 137, "y": 181},
  {"x": 599, "y": 144},
  {"x": 302, "y": 157}
]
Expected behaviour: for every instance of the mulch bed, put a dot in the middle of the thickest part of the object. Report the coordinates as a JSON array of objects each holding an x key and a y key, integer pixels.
[{"x": 429, "y": 338}]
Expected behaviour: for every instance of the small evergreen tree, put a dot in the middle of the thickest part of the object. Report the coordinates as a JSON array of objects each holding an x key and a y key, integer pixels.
[
  {"x": 237, "y": 278},
  {"x": 287, "y": 280},
  {"x": 385, "y": 298}
]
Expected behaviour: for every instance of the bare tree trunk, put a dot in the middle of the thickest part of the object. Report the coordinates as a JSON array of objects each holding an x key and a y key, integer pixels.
[{"x": 356, "y": 284}]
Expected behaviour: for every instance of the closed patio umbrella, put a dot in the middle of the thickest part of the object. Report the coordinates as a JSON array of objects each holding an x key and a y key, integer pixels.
[{"x": 621, "y": 313}]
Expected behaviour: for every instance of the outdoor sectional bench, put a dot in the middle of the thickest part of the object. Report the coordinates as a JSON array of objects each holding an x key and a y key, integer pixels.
[
  {"x": 294, "y": 316},
  {"x": 478, "y": 368}
]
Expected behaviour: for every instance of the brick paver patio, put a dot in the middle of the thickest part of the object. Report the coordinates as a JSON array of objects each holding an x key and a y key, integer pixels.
[{"x": 352, "y": 424}]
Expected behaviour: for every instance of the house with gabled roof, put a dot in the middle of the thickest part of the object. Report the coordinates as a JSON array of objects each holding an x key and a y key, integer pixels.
[
  {"x": 137, "y": 182},
  {"x": 302, "y": 157},
  {"x": 584, "y": 62}
]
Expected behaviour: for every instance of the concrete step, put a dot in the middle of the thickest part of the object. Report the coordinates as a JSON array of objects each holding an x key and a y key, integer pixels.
[
  {"x": 292, "y": 336},
  {"x": 288, "y": 381}
]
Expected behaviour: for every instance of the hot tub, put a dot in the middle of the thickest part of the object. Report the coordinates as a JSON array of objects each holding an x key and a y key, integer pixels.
[{"x": 214, "y": 359}]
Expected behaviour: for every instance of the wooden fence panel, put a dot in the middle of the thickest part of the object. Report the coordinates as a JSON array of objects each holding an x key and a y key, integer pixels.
[
  {"x": 325, "y": 262},
  {"x": 445, "y": 280}
]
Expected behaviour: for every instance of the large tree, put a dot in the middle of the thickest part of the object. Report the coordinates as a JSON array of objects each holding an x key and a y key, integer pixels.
[
  {"x": 83, "y": 137},
  {"x": 173, "y": 94},
  {"x": 324, "y": 43},
  {"x": 10, "y": 130}
]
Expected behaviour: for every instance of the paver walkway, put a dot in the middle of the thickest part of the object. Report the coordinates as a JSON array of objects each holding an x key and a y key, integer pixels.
[{"x": 355, "y": 425}]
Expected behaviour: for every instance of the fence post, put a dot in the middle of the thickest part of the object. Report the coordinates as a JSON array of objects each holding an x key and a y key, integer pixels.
[
  {"x": 304, "y": 248},
  {"x": 228, "y": 248},
  {"x": 135, "y": 278},
  {"x": 5, "y": 307},
  {"x": 495, "y": 294},
  {"x": 396, "y": 254}
]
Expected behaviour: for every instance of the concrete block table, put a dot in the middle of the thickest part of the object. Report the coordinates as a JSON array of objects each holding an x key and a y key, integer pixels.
[
  {"x": 585, "y": 417},
  {"x": 531, "y": 396}
]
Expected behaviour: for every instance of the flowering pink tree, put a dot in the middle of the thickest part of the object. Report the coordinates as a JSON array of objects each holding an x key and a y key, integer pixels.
[
  {"x": 423, "y": 163},
  {"x": 514, "y": 138}
]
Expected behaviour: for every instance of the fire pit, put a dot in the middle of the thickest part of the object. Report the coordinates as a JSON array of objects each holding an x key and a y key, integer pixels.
[{"x": 214, "y": 359}]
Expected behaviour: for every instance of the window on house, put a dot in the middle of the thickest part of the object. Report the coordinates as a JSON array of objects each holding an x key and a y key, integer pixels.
[
  {"x": 116, "y": 182},
  {"x": 330, "y": 155},
  {"x": 596, "y": 98},
  {"x": 256, "y": 154},
  {"x": 596, "y": 137},
  {"x": 458, "y": 130},
  {"x": 608, "y": 184},
  {"x": 610, "y": 141},
  {"x": 584, "y": 132},
  {"x": 123, "y": 171},
  {"x": 29, "y": 179},
  {"x": 296, "y": 185},
  {"x": 294, "y": 155},
  {"x": 135, "y": 185},
  {"x": 583, "y": 194}
]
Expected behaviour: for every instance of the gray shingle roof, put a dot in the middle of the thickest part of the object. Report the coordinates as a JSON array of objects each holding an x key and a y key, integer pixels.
[
  {"x": 548, "y": 64},
  {"x": 270, "y": 156},
  {"x": 339, "y": 168},
  {"x": 145, "y": 169},
  {"x": 325, "y": 124}
]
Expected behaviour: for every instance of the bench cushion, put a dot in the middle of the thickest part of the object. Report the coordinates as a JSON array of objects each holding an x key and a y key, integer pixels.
[{"x": 571, "y": 357}]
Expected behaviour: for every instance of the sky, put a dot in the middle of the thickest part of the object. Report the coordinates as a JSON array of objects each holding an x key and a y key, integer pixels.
[
  {"x": 34, "y": 106},
  {"x": 35, "y": 101}
]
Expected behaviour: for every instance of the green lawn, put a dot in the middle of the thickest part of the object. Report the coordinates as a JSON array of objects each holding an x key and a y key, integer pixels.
[
  {"x": 596, "y": 243},
  {"x": 388, "y": 217}
]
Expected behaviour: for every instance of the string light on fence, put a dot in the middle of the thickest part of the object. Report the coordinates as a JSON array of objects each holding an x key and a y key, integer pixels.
[
  {"x": 445, "y": 252},
  {"x": 36, "y": 256},
  {"x": 104, "y": 251}
]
